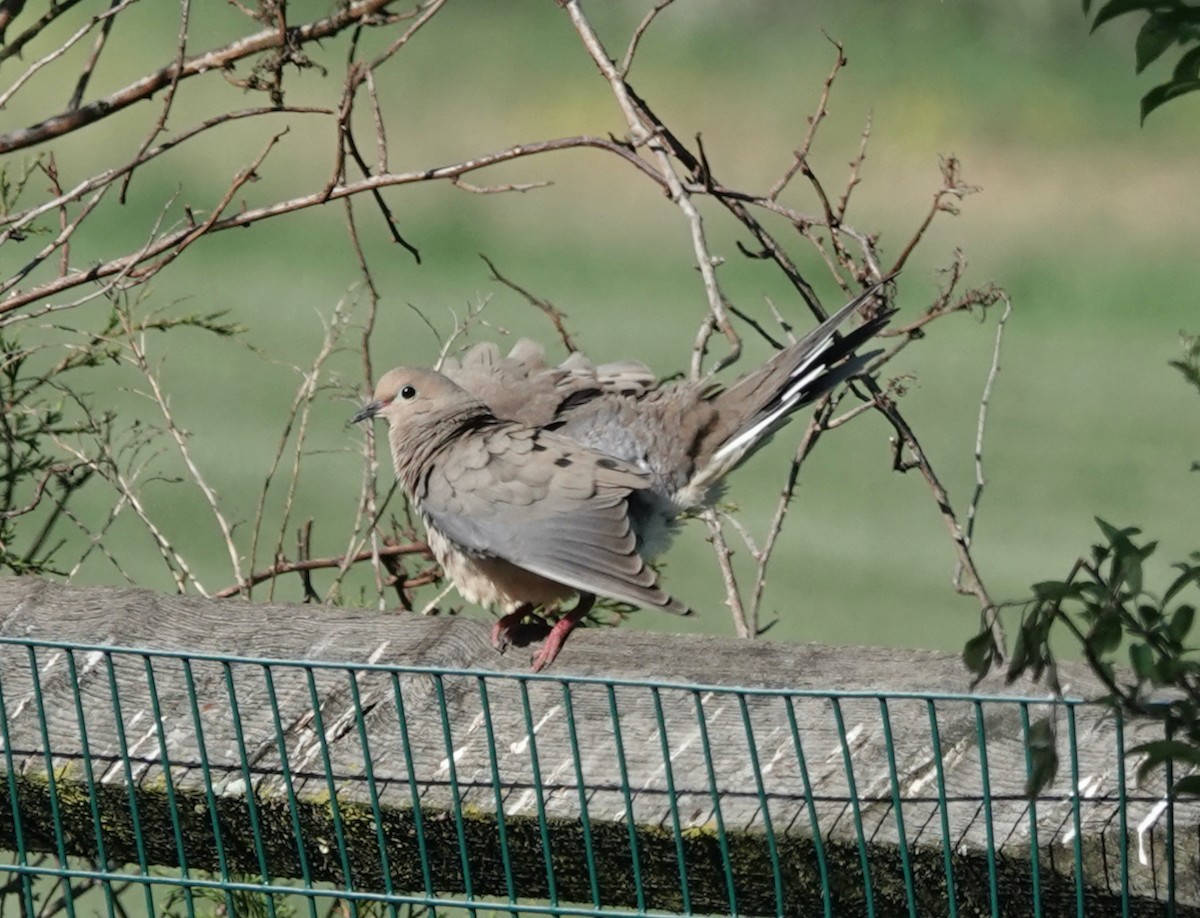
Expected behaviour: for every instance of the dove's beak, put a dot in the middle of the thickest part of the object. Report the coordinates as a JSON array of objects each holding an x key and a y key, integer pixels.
[{"x": 369, "y": 410}]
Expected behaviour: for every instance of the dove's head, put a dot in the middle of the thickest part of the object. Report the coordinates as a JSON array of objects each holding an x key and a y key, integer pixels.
[{"x": 410, "y": 399}]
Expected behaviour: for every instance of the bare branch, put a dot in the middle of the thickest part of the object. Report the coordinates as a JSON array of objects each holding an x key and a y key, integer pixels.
[
  {"x": 356, "y": 11},
  {"x": 66, "y": 45},
  {"x": 552, "y": 312},
  {"x": 643, "y": 133},
  {"x": 800, "y": 157},
  {"x": 733, "y": 595},
  {"x": 137, "y": 351},
  {"x": 636, "y": 38},
  {"x": 282, "y": 567},
  {"x": 984, "y": 401},
  {"x": 953, "y": 188},
  {"x": 253, "y": 215}
]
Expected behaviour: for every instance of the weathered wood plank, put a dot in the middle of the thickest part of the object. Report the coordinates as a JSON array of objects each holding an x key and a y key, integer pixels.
[{"x": 433, "y": 782}]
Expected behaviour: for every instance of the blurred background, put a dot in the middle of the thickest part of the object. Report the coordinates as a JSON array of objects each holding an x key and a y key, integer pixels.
[{"x": 1088, "y": 220}]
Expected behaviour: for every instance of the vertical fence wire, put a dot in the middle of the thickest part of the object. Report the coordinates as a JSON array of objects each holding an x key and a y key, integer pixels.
[
  {"x": 464, "y": 852},
  {"x": 985, "y": 805},
  {"x": 256, "y": 832},
  {"x": 139, "y": 840},
  {"x": 630, "y": 820},
  {"x": 289, "y": 785},
  {"x": 530, "y": 740},
  {"x": 864, "y": 857},
  {"x": 1171, "y": 890},
  {"x": 768, "y": 827},
  {"x": 935, "y": 739},
  {"x": 910, "y": 892},
  {"x": 660, "y": 721},
  {"x": 715, "y": 797},
  {"x": 210, "y": 797},
  {"x": 418, "y": 816},
  {"x": 1122, "y": 814},
  {"x": 810, "y": 806},
  {"x": 24, "y": 878},
  {"x": 497, "y": 788},
  {"x": 339, "y": 831},
  {"x": 1076, "y": 816},
  {"x": 360, "y": 724},
  {"x": 1035, "y": 873},
  {"x": 89, "y": 777},
  {"x": 585, "y": 822},
  {"x": 158, "y": 728},
  {"x": 60, "y": 844}
]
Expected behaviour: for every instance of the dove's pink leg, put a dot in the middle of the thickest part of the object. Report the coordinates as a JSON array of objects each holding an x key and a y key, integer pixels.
[
  {"x": 554, "y": 640},
  {"x": 503, "y": 628}
]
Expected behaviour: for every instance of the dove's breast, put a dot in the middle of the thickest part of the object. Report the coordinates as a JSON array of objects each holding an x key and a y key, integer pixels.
[{"x": 488, "y": 581}]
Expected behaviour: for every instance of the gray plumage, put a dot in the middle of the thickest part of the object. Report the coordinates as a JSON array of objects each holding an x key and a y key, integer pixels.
[{"x": 536, "y": 482}]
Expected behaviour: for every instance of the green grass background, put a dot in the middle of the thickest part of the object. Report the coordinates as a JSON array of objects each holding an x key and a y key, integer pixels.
[{"x": 1088, "y": 220}]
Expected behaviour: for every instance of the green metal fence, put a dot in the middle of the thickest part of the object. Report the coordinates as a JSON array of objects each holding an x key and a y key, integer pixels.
[{"x": 147, "y": 782}]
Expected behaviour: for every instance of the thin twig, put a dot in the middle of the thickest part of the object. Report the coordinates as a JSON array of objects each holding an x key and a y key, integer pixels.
[
  {"x": 58, "y": 52},
  {"x": 733, "y": 595},
  {"x": 217, "y": 60},
  {"x": 853, "y": 179},
  {"x": 984, "y": 401},
  {"x": 636, "y": 38},
  {"x": 283, "y": 567},
  {"x": 297, "y": 419},
  {"x": 89, "y": 66},
  {"x": 953, "y": 188},
  {"x": 800, "y": 157},
  {"x": 137, "y": 351},
  {"x": 552, "y": 312}
]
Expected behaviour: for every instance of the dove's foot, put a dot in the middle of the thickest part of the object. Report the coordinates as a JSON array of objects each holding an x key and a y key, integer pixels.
[
  {"x": 554, "y": 640},
  {"x": 513, "y": 629}
]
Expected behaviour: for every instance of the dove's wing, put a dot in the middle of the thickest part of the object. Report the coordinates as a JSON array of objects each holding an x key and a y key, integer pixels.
[{"x": 547, "y": 505}]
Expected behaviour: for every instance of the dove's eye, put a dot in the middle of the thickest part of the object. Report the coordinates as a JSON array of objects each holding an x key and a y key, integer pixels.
[{"x": 408, "y": 392}]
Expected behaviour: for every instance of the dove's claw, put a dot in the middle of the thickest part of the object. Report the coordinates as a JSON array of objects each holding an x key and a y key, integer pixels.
[
  {"x": 554, "y": 640},
  {"x": 510, "y": 628}
]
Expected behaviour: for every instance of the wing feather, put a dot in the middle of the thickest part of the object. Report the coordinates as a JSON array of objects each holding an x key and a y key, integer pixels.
[{"x": 564, "y": 515}]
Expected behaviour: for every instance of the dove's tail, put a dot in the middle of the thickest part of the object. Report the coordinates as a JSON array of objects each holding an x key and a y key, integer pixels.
[{"x": 756, "y": 406}]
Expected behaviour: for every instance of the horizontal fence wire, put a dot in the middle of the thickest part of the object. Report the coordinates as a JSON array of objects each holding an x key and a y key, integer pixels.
[{"x": 158, "y": 782}]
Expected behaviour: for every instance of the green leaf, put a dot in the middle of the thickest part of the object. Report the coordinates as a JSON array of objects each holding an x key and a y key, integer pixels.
[
  {"x": 1019, "y": 661},
  {"x": 1105, "y": 636},
  {"x": 1113, "y": 534},
  {"x": 1159, "y": 751},
  {"x": 1166, "y": 671},
  {"x": 1181, "y": 622},
  {"x": 1150, "y": 615},
  {"x": 978, "y": 654},
  {"x": 1116, "y": 8},
  {"x": 1188, "y": 68},
  {"x": 1055, "y": 590},
  {"x": 1188, "y": 786},
  {"x": 1043, "y": 757},
  {"x": 1141, "y": 658},
  {"x": 1156, "y": 35},
  {"x": 1127, "y": 568},
  {"x": 1189, "y": 574},
  {"x": 1160, "y": 95}
]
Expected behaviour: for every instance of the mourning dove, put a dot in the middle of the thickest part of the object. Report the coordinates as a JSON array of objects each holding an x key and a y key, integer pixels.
[{"x": 539, "y": 482}]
